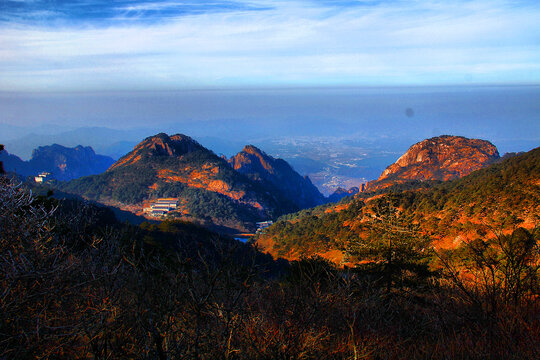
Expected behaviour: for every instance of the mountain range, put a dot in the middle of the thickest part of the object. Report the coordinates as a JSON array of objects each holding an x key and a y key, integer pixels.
[
  {"x": 236, "y": 192},
  {"x": 210, "y": 188},
  {"x": 62, "y": 162},
  {"x": 354, "y": 158}
]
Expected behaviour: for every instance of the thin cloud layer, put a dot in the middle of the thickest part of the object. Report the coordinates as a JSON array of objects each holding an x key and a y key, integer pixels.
[{"x": 122, "y": 45}]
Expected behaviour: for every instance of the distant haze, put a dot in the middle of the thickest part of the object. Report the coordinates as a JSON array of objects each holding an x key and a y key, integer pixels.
[{"x": 509, "y": 116}]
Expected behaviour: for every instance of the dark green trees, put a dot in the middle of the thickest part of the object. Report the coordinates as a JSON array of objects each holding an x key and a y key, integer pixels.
[{"x": 395, "y": 255}]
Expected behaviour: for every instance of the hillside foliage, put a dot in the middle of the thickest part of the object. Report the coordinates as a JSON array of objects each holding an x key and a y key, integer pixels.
[
  {"x": 76, "y": 285},
  {"x": 502, "y": 196}
]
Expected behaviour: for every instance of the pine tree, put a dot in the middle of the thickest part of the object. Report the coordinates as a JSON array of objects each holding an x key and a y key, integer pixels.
[{"x": 395, "y": 254}]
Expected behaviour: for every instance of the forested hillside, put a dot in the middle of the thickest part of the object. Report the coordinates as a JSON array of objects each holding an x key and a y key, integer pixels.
[
  {"x": 500, "y": 197},
  {"x": 76, "y": 284},
  {"x": 177, "y": 166}
]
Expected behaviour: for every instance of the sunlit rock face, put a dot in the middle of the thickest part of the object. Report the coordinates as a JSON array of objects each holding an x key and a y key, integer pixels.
[
  {"x": 439, "y": 158},
  {"x": 160, "y": 145},
  {"x": 180, "y": 159}
]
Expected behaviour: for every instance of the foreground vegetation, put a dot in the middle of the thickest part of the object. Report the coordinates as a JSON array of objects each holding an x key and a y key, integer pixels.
[{"x": 76, "y": 284}]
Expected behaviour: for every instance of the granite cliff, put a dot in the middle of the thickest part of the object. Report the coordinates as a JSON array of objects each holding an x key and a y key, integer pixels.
[
  {"x": 160, "y": 145},
  {"x": 439, "y": 158}
]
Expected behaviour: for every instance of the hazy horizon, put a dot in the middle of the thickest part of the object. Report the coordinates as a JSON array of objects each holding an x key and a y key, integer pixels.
[{"x": 509, "y": 115}]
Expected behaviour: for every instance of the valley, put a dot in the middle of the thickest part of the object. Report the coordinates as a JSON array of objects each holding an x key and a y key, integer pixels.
[{"x": 250, "y": 233}]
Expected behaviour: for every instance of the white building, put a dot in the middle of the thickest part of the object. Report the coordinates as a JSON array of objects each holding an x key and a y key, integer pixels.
[
  {"x": 263, "y": 225},
  {"x": 42, "y": 177},
  {"x": 161, "y": 207}
]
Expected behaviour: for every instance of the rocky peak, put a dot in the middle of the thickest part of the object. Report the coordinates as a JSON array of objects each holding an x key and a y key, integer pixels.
[
  {"x": 439, "y": 158},
  {"x": 278, "y": 174},
  {"x": 174, "y": 145},
  {"x": 62, "y": 162},
  {"x": 61, "y": 152},
  {"x": 252, "y": 149},
  {"x": 160, "y": 145},
  {"x": 68, "y": 163},
  {"x": 251, "y": 159}
]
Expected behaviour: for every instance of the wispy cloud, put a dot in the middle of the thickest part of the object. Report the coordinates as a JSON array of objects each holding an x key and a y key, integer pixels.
[
  {"x": 106, "y": 13},
  {"x": 174, "y": 44}
]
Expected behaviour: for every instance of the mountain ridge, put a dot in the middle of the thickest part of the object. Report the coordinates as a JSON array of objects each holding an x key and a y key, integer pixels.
[
  {"x": 178, "y": 166},
  {"x": 278, "y": 174},
  {"x": 62, "y": 162},
  {"x": 159, "y": 145}
]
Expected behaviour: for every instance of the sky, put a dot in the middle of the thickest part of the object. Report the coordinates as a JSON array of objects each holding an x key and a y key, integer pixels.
[{"x": 106, "y": 45}]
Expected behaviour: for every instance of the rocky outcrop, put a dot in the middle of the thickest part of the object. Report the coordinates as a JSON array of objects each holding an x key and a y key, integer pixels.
[
  {"x": 62, "y": 162},
  {"x": 278, "y": 175},
  {"x": 453, "y": 212},
  {"x": 439, "y": 158},
  {"x": 160, "y": 145}
]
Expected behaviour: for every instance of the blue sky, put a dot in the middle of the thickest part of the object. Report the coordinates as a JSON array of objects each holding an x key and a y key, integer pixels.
[{"x": 99, "y": 45}]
